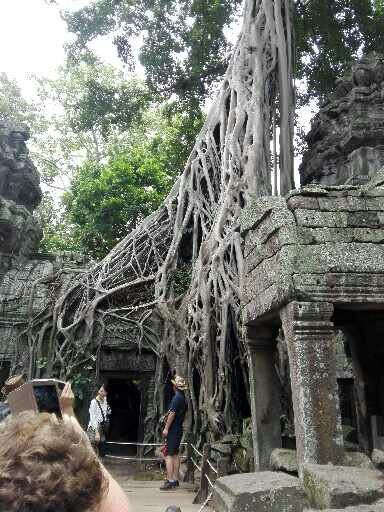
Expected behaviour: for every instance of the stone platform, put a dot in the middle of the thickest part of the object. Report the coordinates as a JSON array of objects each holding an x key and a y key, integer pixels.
[
  {"x": 265, "y": 491},
  {"x": 322, "y": 487}
]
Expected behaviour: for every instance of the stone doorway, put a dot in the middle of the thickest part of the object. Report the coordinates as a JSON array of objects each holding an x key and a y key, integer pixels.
[
  {"x": 5, "y": 368},
  {"x": 364, "y": 332},
  {"x": 125, "y": 400},
  {"x": 130, "y": 378}
]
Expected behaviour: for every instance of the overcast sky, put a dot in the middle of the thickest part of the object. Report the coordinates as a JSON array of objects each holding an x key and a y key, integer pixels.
[{"x": 32, "y": 35}]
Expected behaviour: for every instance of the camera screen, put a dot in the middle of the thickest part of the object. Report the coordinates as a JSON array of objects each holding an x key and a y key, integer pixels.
[{"x": 46, "y": 399}]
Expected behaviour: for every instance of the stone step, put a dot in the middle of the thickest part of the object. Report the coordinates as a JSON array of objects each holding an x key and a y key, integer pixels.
[
  {"x": 265, "y": 491},
  {"x": 374, "y": 507},
  {"x": 337, "y": 487},
  {"x": 222, "y": 501}
]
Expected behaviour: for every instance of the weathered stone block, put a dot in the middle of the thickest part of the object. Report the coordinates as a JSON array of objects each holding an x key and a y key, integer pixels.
[
  {"x": 262, "y": 293},
  {"x": 375, "y": 507},
  {"x": 258, "y": 209},
  {"x": 337, "y": 486},
  {"x": 284, "y": 460},
  {"x": 363, "y": 219},
  {"x": 378, "y": 457},
  {"x": 264, "y": 491},
  {"x": 332, "y": 257},
  {"x": 308, "y": 236},
  {"x": 304, "y": 202},
  {"x": 334, "y": 204},
  {"x": 222, "y": 448},
  {"x": 339, "y": 287},
  {"x": 357, "y": 460},
  {"x": 375, "y": 203},
  {"x": 313, "y": 218},
  {"x": 260, "y": 247}
]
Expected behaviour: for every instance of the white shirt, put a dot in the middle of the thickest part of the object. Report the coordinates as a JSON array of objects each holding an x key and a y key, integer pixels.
[{"x": 95, "y": 416}]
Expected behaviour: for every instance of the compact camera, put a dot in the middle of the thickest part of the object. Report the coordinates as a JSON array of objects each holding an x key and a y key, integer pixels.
[{"x": 39, "y": 395}]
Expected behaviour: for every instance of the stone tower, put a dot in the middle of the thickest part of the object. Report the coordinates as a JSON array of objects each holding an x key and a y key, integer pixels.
[
  {"x": 346, "y": 140},
  {"x": 20, "y": 194},
  {"x": 26, "y": 276}
]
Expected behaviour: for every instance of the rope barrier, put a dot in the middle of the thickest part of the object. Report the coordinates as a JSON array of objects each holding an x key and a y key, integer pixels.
[
  {"x": 195, "y": 464},
  {"x": 209, "y": 481},
  {"x": 133, "y": 444},
  {"x": 212, "y": 467},
  {"x": 123, "y": 443},
  {"x": 137, "y": 459},
  {"x": 196, "y": 450}
]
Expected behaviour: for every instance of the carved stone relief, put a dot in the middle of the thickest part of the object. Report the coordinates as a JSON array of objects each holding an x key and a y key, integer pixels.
[{"x": 346, "y": 140}]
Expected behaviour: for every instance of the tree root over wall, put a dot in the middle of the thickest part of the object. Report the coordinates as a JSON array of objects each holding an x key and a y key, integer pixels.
[{"x": 180, "y": 268}]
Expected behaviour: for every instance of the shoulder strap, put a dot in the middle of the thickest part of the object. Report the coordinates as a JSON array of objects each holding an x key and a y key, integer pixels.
[{"x": 101, "y": 410}]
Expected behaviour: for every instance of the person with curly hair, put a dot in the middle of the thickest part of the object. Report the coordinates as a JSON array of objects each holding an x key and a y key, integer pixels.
[{"x": 48, "y": 465}]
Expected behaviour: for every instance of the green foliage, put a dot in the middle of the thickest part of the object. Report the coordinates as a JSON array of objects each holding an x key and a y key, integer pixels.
[
  {"x": 107, "y": 201},
  {"x": 107, "y": 106},
  {"x": 89, "y": 106},
  {"x": 13, "y": 107},
  {"x": 184, "y": 45},
  {"x": 329, "y": 35},
  {"x": 58, "y": 233},
  {"x": 80, "y": 384},
  {"x": 124, "y": 155},
  {"x": 185, "y": 49}
]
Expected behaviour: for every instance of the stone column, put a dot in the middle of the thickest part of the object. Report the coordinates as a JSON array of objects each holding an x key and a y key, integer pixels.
[
  {"x": 308, "y": 331},
  {"x": 264, "y": 395}
]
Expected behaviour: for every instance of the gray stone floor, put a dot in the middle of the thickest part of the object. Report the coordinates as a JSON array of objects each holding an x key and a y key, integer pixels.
[{"x": 146, "y": 496}]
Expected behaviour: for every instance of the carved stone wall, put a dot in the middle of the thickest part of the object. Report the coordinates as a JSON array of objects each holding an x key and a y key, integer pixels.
[
  {"x": 314, "y": 262},
  {"x": 346, "y": 140},
  {"x": 26, "y": 277},
  {"x": 20, "y": 193},
  {"x": 31, "y": 282}
]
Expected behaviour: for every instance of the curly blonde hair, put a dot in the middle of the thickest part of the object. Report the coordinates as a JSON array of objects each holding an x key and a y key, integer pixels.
[{"x": 47, "y": 465}]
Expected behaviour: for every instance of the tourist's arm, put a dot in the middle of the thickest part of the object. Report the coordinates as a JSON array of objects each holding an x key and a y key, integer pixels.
[
  {"x": 115, "y": 500},
  {"x": 170, "y": 418}
]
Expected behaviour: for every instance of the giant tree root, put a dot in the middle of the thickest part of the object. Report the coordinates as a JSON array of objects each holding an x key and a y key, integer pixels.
[{"x": 180, "y": 268}]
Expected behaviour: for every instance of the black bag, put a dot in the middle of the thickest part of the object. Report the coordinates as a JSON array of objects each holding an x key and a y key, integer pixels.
[{"x": 104, "y": 425}]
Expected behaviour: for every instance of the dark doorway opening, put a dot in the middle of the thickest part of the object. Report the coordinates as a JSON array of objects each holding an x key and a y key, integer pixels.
[
  {"x": 124, "y": 398},
  {"x": 5, "y": 369},
  {"x": 347, "y": 402},
  {"x": 364, "y": 333}
]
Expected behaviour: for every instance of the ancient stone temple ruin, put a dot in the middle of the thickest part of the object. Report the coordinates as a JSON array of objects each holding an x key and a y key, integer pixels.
[
  {"x": 30, "y": 284},
  {"x": 26, "y": 275},
  {"x": 314, "y": 278},
  {"x": 312, "y": 304}
]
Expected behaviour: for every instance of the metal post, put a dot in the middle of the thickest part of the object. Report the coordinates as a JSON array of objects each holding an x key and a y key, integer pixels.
[
  {"x": 222, "y": 467},
  {"x": 190, "y": 472},
  {"x": 205, "y": 470}
]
